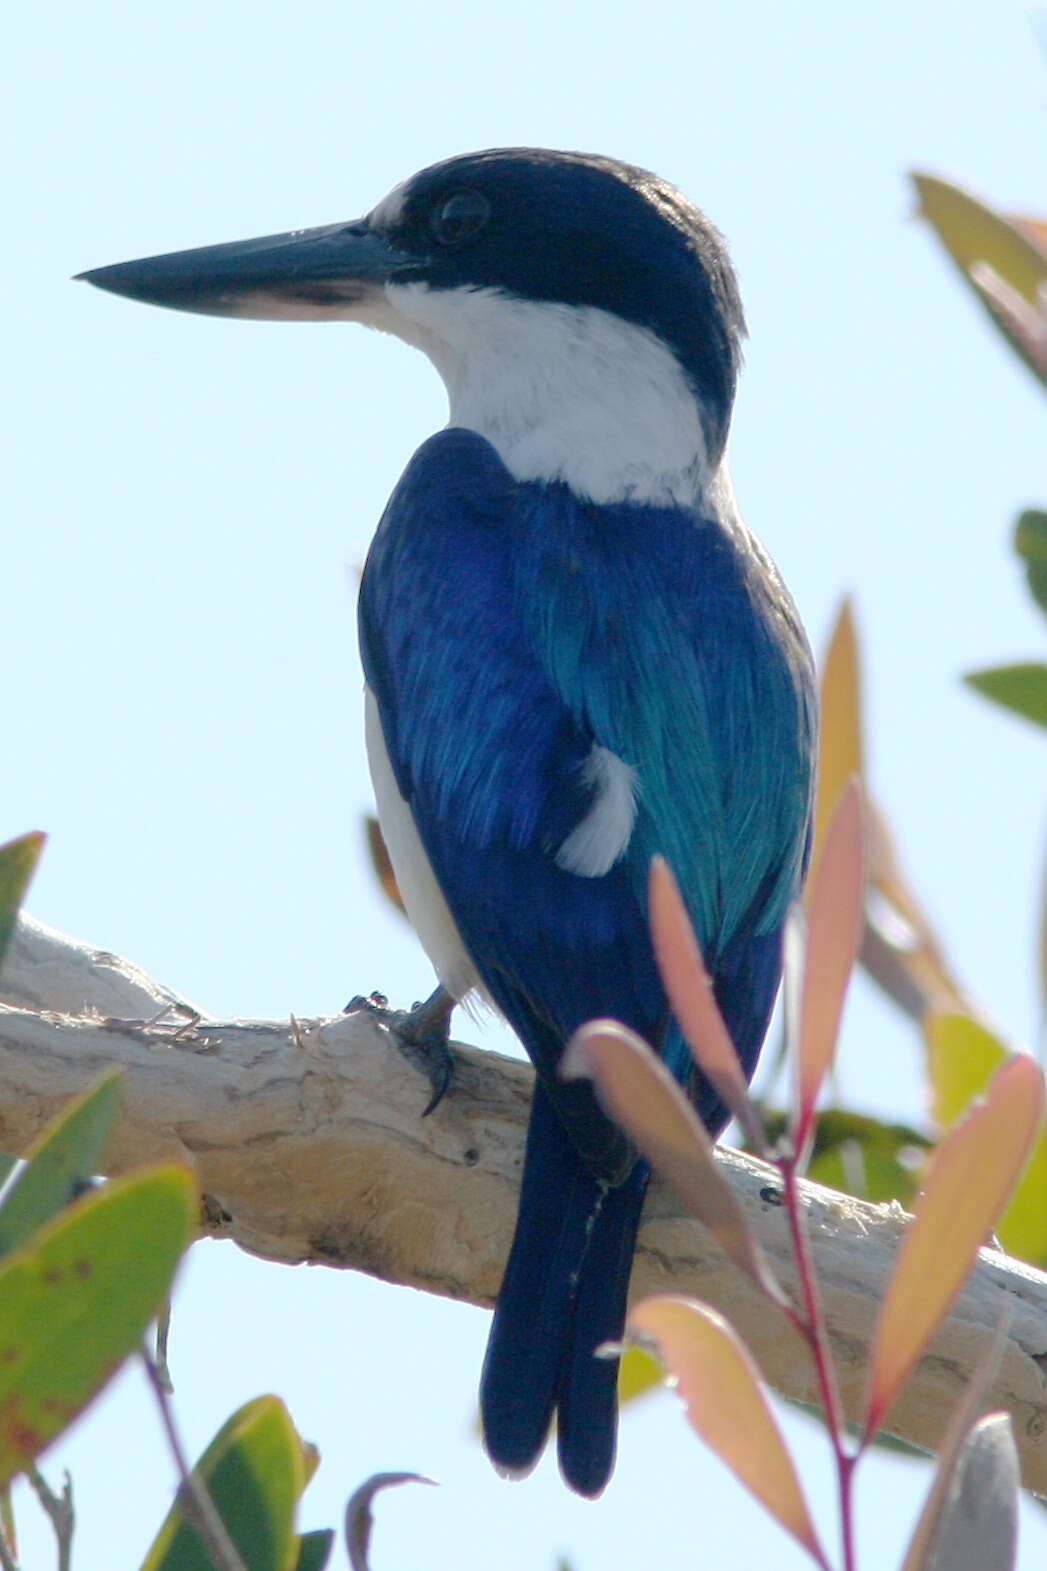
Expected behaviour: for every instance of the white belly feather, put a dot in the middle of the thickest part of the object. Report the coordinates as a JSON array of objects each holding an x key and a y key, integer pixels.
[{"x": 426, "y": 906}]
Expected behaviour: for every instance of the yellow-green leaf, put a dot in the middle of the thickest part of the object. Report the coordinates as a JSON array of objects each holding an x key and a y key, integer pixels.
[
  {"x": 18, "y": 859},
  {"x": 863, "y": 1157},
  {"x": 1030, "y": 542},
  {"x": 974, "y": 233},
  {"x": 962, "y": 1057},
  {"x": 1021, "y": 687},
  {"x": 254, "y": 1471},
  {"x": 638, "y": 1092},
  {"x": 968, "y": 1183},
  {"x": 61, "y": 1161},
  {"x": 727, "y": 1405},
  {"x": 638, "y": 1373},
  {"x": 75, "y": 1300}
]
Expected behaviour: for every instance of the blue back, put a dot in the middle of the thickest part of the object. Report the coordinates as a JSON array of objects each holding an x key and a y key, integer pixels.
[{"x": 505, "y": 628}]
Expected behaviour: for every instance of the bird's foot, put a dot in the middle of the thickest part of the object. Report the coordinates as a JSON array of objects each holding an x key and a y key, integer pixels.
[{"x": 425, "y": 1030}]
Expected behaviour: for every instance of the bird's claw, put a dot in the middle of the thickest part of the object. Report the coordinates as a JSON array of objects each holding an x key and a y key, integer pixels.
[
  {"x": 374, "y": 1003},
  {"x": 424, "y": 1029}
]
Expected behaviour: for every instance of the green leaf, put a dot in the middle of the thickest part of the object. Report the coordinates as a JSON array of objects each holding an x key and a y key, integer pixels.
[
  {"x": 962, "y": 1057},
  {"x": 974, "y": 233},
  {"x": 18, "y": 859},
  {"x": 1021, "y": 688},
  {"x": 61, "y": 1162},
  {"x": 314, "y": 1549},
  {"x": 75, "y": 1300},
  {"x": 866, "y": 1158},
  {"x": 1030, "y": 542},
  {"x": 254, "y": 1470}
]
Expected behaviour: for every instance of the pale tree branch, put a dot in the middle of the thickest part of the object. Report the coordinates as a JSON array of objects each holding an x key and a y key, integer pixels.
[{"x": 309, "y": 1146}]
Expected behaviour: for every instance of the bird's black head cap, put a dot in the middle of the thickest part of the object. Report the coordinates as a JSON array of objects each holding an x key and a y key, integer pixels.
[{"x": 583, "y": 230}]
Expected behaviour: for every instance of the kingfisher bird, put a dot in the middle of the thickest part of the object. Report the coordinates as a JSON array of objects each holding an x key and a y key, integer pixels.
[{"x": 576, "y": 657}]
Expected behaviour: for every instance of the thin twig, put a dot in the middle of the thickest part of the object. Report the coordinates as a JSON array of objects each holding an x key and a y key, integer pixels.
[
  {"x": 6, "y": 1561},
  {"x": 163, "y": 1330},
  {"x": 196, "y": 1503},
  {"x": 59, "y": 1509}
]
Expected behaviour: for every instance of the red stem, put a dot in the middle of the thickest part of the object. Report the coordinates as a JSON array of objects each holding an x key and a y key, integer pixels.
[{"x": 810, "y": 1323}]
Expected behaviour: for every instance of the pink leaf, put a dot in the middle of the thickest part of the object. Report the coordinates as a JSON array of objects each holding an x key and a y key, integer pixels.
[
  {"x": 834, "y": 928},
  {"x": 690, "y": 993},
  {"x": 970, "y": 1177},
  {"x": 638, "y": 1092},
  {"x": 727, "y": 1405}
]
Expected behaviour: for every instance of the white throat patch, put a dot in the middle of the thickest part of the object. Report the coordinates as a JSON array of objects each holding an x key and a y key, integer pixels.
[{"x": 562, "y": 392}]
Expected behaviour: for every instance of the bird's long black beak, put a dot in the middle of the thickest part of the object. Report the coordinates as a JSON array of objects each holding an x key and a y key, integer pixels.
[{"x": 306, "y": 275}]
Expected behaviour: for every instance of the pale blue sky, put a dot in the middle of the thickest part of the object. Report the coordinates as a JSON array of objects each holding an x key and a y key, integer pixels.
[{"x": 189, "y": 499}]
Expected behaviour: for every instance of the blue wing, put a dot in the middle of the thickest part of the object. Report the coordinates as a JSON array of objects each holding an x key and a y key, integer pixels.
[{"x": 508, "y": 629}]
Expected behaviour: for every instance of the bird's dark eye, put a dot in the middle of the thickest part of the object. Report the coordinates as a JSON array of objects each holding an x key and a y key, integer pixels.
[{"x": 458, "y": 217}]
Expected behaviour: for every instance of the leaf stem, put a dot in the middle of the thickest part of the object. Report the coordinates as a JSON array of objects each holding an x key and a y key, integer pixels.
[
  {"x": 196, "y": 1503},
  {"x": 809, "y": 1321}
]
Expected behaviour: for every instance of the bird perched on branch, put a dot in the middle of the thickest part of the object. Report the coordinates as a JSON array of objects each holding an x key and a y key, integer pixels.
[{"x": 576, "y": 657}]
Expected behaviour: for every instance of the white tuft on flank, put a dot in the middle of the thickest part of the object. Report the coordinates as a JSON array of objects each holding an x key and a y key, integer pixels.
[
  {"x": 564, "y": 393},
  {"x": 426, "y": 906},
  {"x": 602, "y": 838}
]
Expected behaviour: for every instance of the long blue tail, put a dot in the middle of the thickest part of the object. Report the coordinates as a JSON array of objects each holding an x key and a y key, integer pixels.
[{"x": 563, "y": 1293}]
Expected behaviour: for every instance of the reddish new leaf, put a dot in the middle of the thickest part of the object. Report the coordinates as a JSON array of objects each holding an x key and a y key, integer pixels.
[
  {"x": 690, "y": 993},
  {"x": 970, "y": 1178},
  {"x": 840, "y": 747},
  {"x": 835, "y": 916},
  {"x": 639, "y": 1093},
  {"x": 727, "y": 1405}
]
